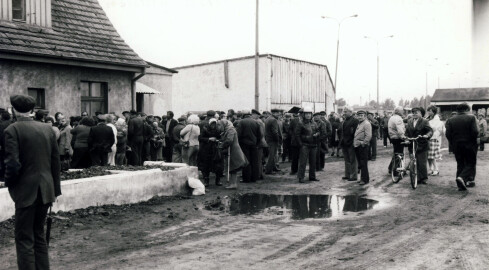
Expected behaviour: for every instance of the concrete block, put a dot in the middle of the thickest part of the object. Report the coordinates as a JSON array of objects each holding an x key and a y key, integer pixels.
[{"x": 121, "y": 188}]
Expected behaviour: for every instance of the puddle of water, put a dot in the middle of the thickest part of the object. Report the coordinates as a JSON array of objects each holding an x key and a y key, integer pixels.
[{"x": 299, "y": 207}]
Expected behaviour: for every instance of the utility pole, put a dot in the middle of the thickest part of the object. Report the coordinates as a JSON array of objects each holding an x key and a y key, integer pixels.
[
  {"x": 426, "y": 91},
  {"x": 257, "y": 64}
]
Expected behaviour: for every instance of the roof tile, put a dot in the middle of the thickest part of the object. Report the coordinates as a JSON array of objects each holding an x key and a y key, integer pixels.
[{"x": 80, "y": 30}]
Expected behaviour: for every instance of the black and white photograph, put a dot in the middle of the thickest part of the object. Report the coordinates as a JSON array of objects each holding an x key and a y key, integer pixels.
[{"x": 244, "y": 134}]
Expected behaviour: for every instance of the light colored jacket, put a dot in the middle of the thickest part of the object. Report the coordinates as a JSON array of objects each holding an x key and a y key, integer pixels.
[
  {"x": 396, "y": 127},
  {"x": 363, "y": 134},
  {"x": 437, "y": 126},
  {"x": 191, "y": 134}
]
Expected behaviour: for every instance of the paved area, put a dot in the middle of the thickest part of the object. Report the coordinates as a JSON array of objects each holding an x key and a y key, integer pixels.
[{"x": 433, "y": 227}]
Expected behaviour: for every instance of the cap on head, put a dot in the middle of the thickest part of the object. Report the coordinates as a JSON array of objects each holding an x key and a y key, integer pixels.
[
  {"x": 22, "y": 103},
  {"x": 211, "y": 113},
  {"x": 275, "y": 110},
  {"x": 419, "y": 109},
  {"x": 246, "y": 111},
  {"x": 361, "y": 112},
  {"x": 253, "y": 111}
]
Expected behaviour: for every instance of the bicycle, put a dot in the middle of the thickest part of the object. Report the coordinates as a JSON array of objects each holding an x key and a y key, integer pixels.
[{"x": 412, "y": 166}]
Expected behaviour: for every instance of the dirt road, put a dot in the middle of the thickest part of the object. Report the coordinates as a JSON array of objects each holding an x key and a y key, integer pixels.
[{"x": 379, "y": 226}]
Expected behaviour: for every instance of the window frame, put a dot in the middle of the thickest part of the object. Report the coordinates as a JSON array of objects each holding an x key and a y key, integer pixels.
[
  {"x": 104, "y": 98},
  {"x": 23, "y": 11},
  {"x": 41, "y": 97}
]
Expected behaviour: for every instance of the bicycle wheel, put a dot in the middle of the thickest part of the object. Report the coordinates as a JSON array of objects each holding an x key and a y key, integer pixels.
[
  {"x": 413, "y": 173},
  {"x": 395, "y": 173}
]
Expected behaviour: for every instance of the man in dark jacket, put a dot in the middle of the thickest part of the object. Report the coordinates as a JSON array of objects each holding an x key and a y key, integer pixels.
[
  {"x": 294, "y": 148},
  {"x": 321, "y": 139},
  {"x": 168, "y": 126},
  {"x": 177, "y": 147},
  {"x": 273, "y": 136},
  {"x": 4, "y": 123},
  {"x": 349, "y": 127},
  {"x": 462, "y": 131},
  {"x": 32, "y": 175},
  {"x": 372, "y": 148},
  {"x": 100, "y": 141},
  {"x": 249, "y": 136},
  {"x": 135, "y": 139},
  {"x": 307, "y": 134},
  {"x": 418, "y": 126},
  {"x": 148, "y": 134}
]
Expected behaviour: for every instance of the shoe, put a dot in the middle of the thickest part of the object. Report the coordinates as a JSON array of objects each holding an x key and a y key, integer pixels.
[
  {"x": 363, "y": 183},
  {"x": 359, "y": 181},
  {"x": 218, "y": 181},
  {"x": 385, "y": 146},
  {"x": 470, "y": 184},
  {"x": 344, "y": 178},
  {"x": 373, "y": 159},
  {"x": 301, "y": 180},
  {"x": 351, "y": 180},
  {"x": 332, "y": 154},
  {"x": 314, "y": 180},
  {"x": 435, "y": 173},
  {"x": 269, "y": 173},
  {"x": 460, "y": 183},
  {"x": 233, "y": 181},
  {"x": 277, "y": 170},
  {"x": 293, "y": 173},
  {"x": 423, "y": 182},
  {"x": 206, "y": 181}
]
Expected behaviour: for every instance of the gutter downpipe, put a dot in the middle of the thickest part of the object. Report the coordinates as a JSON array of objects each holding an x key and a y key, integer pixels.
[{"x": 133, "y": 89}]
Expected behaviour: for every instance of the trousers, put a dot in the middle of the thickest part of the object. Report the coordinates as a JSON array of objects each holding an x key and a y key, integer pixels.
[
  {"x": 466, "y": 157},
  {"x": 294, "y": 154},
  {"x": 351, "y": 166},
  {"x": 272, "y": 157},
  {"x": 361, "y": 153},
  {"x": 372, "y": 148},
  {"x": 30, "y": 240},
  {"x": 307, "y": 153},
  {"x": 251, "y": 173}
]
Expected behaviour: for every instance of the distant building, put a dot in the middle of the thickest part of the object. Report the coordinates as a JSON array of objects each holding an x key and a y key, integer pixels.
[
  {"x": 230, "y": 84},
  {"x": 67, "y": 55},
  {"x": 448, "y": 99}
]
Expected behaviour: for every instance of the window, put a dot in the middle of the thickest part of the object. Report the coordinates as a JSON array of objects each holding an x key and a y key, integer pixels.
[
  {"x": 38, "y": 94},
  {"x": 18, "y": 10},
  {"x": 93, "y": 97}
]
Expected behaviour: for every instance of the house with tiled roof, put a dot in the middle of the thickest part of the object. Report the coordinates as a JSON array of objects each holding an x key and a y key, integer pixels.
[
  {"x": 66, "y": 54},
  {"x": 448, "y": 99}
]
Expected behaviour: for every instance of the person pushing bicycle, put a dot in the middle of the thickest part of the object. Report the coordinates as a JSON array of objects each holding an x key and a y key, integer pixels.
[
  {"x": 419, "y": 128},
  {"x": 396, "y": 131}
]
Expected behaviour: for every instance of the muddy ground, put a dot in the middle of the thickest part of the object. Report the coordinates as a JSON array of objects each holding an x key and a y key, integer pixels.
[{"x": 433, "y": 227}]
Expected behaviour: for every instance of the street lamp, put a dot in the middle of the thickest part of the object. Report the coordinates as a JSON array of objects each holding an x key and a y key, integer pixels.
[
  {"x": 377, "y": 42},
  {"x": 338, "y": 21}
]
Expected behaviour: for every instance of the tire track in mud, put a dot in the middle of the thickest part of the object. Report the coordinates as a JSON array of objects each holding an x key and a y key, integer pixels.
[
  {"x": 390, "y": 250},
  {"x": 294, "y": 246}
]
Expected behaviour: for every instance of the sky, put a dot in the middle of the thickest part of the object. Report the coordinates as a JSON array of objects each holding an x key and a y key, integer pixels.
[{"x": 430, "y": 47}]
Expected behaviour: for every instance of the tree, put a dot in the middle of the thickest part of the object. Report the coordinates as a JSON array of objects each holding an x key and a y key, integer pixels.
[
  {"x": 340, "y": 102},
  {"x": 373, "y": 104},
  {"x": 401, "y": 102},
  {"x": 414, "y": 103},
  {"x": 389, "y": 104}
]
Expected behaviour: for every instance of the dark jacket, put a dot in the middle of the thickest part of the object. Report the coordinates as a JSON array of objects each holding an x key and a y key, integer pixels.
[
  {"x": 31, "y": 162},
  {"x": 304, "y": 132},
  {"x": 249, "y": 132},
  {"x": 293, "y": 125},
  {"x": 101, "y": 138},
  {"x": 169, "y": 131},
  {"x": 135, "y": 128},
  {"x": 462, "y": 128},
  {"x": 176, "y": 132},
  {"x": 422, "y": 128},
  {"x": 148, "y": 132},
  {"x": 375, "y": 127},
  {"x": 348, "y": 131},
  {"x": 272, "y": 130},
  {"x": 80, "y": 134},
  {"x": 3, "y": 125}
]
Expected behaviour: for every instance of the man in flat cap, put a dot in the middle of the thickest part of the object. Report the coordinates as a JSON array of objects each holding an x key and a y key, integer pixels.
[
  {"x": 135, "y": 139},
  {"x": 250, "y": 134},
  {"x": 372, "y": 149},
  {"x": 419, "y": 126},
  {"x": 361, "y": 142},
  {"x": 273, "y": 136},
  {"x": 100, "y": 141},
  {"x": 32, "y": 175}
]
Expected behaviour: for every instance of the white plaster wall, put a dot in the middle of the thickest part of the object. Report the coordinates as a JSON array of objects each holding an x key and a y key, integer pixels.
[{"x": 201, "y": 88}]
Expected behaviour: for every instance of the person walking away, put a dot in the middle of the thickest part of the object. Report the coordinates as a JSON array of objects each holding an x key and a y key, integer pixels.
[
  {"x": 178, "y": 147},
  {"x": 273, "y": 137},
  {"x": 81, "y": 154},
  {"x": 147, "y": 135},
  {"x": 482, "y": 129},
  {"x": 396, "y": 135},
  {"x": 120, "y": 156},
  {"x": 372, "y": 148},
  {"x": 210, "y": 158},
  {"x": 362, "y": 139},
  {"x": 64, "y": 142},
  {"x": 434, "y": 152},
  {"x": 190, "y": 135},
  {"x": 249, "y": 136},
  {"x": 262, "y": 144},
  {"x": 307, "y": 134},
  {"x": 32, "y": 175},
  {"x": 294, "y": 146},
  {"x": 324, "y": 144},
  {"x": 418, "y": 126},
  {"x": 348, "y": 133},
  {"x": 320, "y": 152},
  {"x": 135, "y": 139},
  {"x": 100, "y": 141},
  {"x": 237, "y": 160},
  {"x": 462, "y": 132},
  {"x": 169, "y": 125},
  {"x": 110, "y": 123},
  {"x": 334, "y": 138}
]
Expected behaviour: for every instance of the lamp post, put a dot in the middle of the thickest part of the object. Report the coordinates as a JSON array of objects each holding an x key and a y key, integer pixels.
[
  {"x": 338, "y": 21},
  {"x": 378, "y": 61}
]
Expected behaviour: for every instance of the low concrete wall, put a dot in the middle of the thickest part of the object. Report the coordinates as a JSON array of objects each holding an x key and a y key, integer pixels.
[{"x": 123, "y": 188}]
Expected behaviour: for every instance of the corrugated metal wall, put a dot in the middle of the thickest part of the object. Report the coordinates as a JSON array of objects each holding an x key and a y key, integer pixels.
[
  {"x": 37, "y": 12},
  {"x": 294, "y": 82}
]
